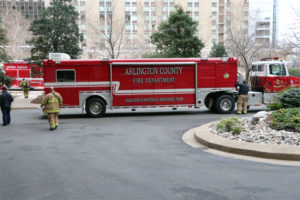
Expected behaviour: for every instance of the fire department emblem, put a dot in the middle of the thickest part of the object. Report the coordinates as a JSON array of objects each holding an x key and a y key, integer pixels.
[
  {"x": 226, "y": 75},
  {"x": 278, "y": 83}
]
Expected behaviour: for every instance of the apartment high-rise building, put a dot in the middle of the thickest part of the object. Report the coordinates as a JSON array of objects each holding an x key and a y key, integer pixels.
[
  {"x": 30, "y": 9},
  {"x": 265, "y": 22},
  {"x": 126, "y": 25},
  {"x": 263, "y": 32},
  {"x": 130, "y": 23}
]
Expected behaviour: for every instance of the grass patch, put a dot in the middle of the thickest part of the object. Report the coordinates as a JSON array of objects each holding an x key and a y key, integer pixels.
[{"x": 230, "y": 124}]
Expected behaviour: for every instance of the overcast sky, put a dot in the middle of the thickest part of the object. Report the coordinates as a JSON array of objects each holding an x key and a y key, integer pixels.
[{"x": 286, "y": 16}]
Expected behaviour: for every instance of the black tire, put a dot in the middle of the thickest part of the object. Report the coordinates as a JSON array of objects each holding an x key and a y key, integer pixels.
[
  {"x": 95, "y": 107},
  {"x": 224, "y": 104},
  {"x": 213, "y": 107},
  {"x": 210, "y": 103}
]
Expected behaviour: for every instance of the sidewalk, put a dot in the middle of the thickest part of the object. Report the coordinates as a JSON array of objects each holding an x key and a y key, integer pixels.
[
  {"x": 269, "y": 151},
  {"x": 21, "y": 103}
]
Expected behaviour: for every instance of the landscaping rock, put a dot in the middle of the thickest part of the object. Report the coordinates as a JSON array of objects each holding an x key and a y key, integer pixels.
[{"x": 260, "y": 132}]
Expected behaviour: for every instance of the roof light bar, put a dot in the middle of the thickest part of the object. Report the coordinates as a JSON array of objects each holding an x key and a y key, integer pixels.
[{"x": 58, "y": 57}]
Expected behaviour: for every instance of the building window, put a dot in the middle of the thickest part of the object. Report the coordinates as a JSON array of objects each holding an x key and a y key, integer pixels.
[
  {"x": 153, "y": 18},
  {"x": 127, "y": 7},
  {"x": 134, "y": 17},
  {"x": 82, "y": 17},
  {"x": 165, "y": 8},
  {"x": 153, "y": 27},
  {"x": 127, "y": 17},
  {"x": 134, "y": 27},
  {"x": 127, "y": 27},
  {"x": 146, "y": 27},
  {"x": 146, "y": 18},
  {"x": 134, "y": 36}
]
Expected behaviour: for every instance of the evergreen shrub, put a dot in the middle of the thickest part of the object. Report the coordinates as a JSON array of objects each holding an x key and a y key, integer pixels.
[{"x": 290, "y": 98}]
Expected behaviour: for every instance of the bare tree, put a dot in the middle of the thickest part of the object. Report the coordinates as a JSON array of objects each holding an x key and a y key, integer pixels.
[
  {"x": 244, "y": 47},
  {"x": 108, "y": 36},
  {"x": 290, "y": 45},
  {"x": 17, "y": 34},
  {"x": 241, "y": 42}
]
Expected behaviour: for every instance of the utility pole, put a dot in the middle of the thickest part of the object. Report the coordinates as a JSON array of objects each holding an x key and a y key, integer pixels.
[{"x": 275, "y": 24}]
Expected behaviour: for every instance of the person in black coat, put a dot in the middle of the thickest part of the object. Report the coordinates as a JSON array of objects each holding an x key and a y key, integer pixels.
[
  {"x": 5, "y": 103},
  {"x": 243, "y": 97}
]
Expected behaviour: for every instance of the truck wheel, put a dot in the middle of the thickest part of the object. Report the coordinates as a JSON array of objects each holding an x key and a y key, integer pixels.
[
  {"x": 95, "y": 107},
  {"x": 208, "y": 102},
  {"x": 225, "y": 104}
]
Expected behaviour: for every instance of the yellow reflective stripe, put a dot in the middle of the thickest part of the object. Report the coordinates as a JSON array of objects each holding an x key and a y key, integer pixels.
[
  {"x": 53, "y": 111},
  {"x": 53, "y": 100}
]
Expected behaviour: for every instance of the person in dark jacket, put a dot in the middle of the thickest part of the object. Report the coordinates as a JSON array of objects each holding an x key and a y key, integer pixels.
[
  {"x": 243, "y": 97},
  {"x": 5, "y": 104}
]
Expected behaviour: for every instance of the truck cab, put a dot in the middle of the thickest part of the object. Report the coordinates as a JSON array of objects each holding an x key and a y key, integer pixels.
[{"x": 270, "y": 75}]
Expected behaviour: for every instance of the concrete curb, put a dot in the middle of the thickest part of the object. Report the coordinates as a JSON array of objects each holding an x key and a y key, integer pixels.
[{"x": 270, "y": 151}]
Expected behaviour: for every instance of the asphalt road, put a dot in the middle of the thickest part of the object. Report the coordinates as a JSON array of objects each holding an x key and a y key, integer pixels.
[{"x": 128, "y": 156}]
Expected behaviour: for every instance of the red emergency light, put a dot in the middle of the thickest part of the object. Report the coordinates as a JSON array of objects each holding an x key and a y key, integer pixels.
[{"x": 268, "y": 59}]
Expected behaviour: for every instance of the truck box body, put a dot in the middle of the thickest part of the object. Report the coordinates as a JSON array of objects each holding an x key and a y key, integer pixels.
[{"x": 140, "y": 83}]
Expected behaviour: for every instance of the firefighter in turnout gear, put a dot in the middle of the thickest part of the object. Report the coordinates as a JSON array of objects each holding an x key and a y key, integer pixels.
[
  {"x": 25, "y": 87},
  {"x": 50, "y": 105}
]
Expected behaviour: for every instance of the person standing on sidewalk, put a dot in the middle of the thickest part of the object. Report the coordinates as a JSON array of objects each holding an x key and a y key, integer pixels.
[
  {"x": 243, "y": 97},
  {"x": 25, "y": 87},
  {"x": 50, "y": 105},
  {"x": 5, "y": 103}
]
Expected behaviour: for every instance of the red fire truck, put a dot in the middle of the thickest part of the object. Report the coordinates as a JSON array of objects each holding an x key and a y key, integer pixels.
[
  {"x": 19, "y": 70},
  {"x": 100, "y": 85},
  {"x": 268, "y": 77}
]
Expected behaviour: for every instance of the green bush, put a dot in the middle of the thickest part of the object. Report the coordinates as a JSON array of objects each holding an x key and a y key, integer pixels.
[
  {"x": 290, "y": 98},
  {"x": 274, "y": 106},
  {"x": 286, "y": 119},
  {"x": 294, "y": 72},
  {"x": 229, "y": 124},
  {"x": 5, "y": 79}
]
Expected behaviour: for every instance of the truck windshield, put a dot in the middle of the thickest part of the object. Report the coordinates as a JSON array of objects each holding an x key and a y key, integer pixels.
[{"x": 277, "y": 69}]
